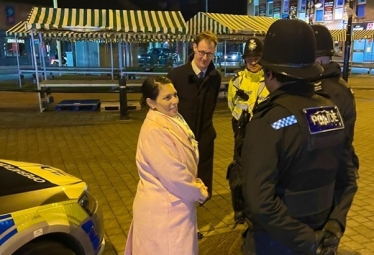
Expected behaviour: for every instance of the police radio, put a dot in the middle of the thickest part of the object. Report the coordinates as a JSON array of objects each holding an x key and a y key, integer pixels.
[{"x": 241, "y": 93}]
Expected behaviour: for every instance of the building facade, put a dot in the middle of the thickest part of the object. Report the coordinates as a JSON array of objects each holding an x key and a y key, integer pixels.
[
  {"x": 331, "y": 13},
  {"x": 10, "y": 15},
  {"x": 80, "y": 54}
]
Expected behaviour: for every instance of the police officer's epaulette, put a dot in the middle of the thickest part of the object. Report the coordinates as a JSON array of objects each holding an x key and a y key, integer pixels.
[{"x": 237, "y": 75}]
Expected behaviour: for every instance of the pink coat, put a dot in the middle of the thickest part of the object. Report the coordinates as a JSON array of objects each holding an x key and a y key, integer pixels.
[{"x": 164, "y": 209}]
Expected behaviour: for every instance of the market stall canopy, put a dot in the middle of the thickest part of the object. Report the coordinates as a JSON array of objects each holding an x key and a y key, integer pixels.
[
  {"x": 338, "y": 34},
  {"x": 261, "y": 23},
  {"x": 341, "y": 34},
  {"x": 228, "y": 24},
  {"x": 362, "y": 34},
  {"x": 19, "y": 30},
  {"x": 108, "y": 24}
]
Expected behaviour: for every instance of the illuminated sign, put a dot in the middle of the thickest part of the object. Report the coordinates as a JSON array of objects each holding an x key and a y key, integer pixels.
[
  {"x": 13, "y": 40},
  {"x": 363, "y": 26}
]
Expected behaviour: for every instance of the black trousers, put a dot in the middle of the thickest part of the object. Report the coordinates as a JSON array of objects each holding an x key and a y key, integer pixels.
[{"x": 205, "y": 167}]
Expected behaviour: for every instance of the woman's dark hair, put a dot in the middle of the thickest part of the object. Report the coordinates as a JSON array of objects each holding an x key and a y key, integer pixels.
[{"x": 151, "y": 88}]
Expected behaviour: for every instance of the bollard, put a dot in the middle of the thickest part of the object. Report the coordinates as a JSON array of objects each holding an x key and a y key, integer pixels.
[
  {"x": 123, "y": 99},
  {"x": 22, "y": 79}
]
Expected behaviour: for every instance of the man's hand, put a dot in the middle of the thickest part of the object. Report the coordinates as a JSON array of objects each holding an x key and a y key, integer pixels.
[{"x": 330, "y": 238}]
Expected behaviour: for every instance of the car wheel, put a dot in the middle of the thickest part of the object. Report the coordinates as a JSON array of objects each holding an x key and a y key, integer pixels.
[{"x": 45, "y": 247}]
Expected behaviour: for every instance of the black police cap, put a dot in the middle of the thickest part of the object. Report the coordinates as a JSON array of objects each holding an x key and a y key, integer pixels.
[
  {"x": 253, "y": 47},
  {"x": 290, "y": 50},
  {"x": 324, "y": 41}
]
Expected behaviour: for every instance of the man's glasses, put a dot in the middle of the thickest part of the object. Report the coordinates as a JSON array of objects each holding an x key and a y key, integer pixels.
[{"x": 203, "y": 53}]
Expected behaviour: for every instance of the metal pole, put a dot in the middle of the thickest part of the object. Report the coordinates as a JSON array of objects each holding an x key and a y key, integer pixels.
[
  {"x": 348, "y": 43},
  {"x": 225, "y": 59},
  {"x": 111, "y": 59},
  {"x": 120, "y": 57},
  {"x": 184, "y": 52},
  {"x": 123, "y": 99},
  {"x": 58, "y": 43},
  {"x": 36, "y": 71},
  {"x": 18, "y": 66},
  {"x": 42, "y": 55},
  {"x": 32, "y": 57},
  {"x": 206, "y": 5}
]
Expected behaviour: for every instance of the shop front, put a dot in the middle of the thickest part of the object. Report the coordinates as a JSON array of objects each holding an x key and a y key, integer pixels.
[
  {"x": 362, "y": 50},
  {"x": 13, "y": 47}
]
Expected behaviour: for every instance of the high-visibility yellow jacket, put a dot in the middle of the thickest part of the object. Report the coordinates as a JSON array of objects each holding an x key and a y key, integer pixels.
[{"x": 253, "y": 84}]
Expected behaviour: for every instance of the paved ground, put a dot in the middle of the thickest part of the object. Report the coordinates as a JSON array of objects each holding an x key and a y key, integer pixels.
[{"x": 100, "y": 149}]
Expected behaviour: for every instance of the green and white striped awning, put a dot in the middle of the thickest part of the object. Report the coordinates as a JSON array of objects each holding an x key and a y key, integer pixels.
[
  {"x": 19, "y": 30},
  {"x": 93, "y": 20},
  {"x": 149, "y": 22},
  {"x": 338, "y": 34},
  {"x": 222, "y": 24},
  {"x": 341, "y": 34},
  {"x": 362, "y": 34},
  {"x": 262, "y": 23}
]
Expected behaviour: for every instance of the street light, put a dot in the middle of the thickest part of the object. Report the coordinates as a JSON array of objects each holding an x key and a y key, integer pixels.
[
  {"x": 348, "y": 40},
  {"x": 318, "y": 5}
]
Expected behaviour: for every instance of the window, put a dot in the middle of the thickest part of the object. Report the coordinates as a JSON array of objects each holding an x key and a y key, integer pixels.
[
  {"x": 319, "y": 16},
  {"x": 257, "y": 10},
  {"x": 339, "y": 3},
  {"x": 286, "y": 6},
  {"x": 361, "y": 10},
  {"x": 338, "y": 13},
  {"x": 11, "y": 49},
  {"x": 270, "y": 9},
  {"x": 302, "y": 5}
]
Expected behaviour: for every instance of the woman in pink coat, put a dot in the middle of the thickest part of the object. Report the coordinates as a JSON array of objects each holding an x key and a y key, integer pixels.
[{"x": 164, "y": 209}]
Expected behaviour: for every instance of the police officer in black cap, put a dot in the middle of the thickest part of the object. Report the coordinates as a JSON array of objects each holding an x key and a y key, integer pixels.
[
  {"x": 247, "y": 86},
  {"x": 293, "y": 153},
  {"x": 245, "y": 89},
  {"x": 331, "y": 83}
]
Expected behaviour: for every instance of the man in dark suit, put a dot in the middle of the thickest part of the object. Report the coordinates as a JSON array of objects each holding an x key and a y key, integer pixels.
[{"x": 197, "y": 83}]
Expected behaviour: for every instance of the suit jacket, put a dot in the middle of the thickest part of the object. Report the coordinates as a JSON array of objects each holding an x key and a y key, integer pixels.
[
  {"x": 197, "y": 98},
  {"x": 164, "y": 212},
  {"x": 197, "y": 102}
]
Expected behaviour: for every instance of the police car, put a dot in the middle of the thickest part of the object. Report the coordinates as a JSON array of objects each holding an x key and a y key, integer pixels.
[{"x": 45, "y": 211}]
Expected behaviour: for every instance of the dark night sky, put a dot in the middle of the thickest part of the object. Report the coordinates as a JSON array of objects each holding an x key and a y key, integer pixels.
[
  {"x": 188, "y": 7},
  {"x": 107, "y": 4}
]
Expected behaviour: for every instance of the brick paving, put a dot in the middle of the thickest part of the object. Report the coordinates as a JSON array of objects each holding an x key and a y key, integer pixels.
[{"x": 100, "y": 148}]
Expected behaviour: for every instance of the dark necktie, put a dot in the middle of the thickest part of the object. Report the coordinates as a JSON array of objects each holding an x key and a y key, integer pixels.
[{"x": 201, "y": 75}]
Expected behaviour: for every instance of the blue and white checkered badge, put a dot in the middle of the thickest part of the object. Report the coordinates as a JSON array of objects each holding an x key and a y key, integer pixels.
[
  {"x": 323, "y": 119},
  {"x": 284, "y": 122}
]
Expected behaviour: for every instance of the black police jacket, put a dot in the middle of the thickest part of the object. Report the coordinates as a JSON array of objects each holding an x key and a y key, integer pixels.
[
  {"x": 289, "y": 174},
  {"x": 331, "y": 83}
]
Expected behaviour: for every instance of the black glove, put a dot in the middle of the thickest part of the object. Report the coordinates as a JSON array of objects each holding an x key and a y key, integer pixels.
[
  {"x": 331, "y": 235},
  {"x": 313, "y": 250},
  {"x": 239, "y": 218},
  {"x": 244, "y": 119}
]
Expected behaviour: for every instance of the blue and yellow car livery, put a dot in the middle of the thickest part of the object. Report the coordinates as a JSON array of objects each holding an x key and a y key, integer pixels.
[{"x": 44, "y": 210}]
